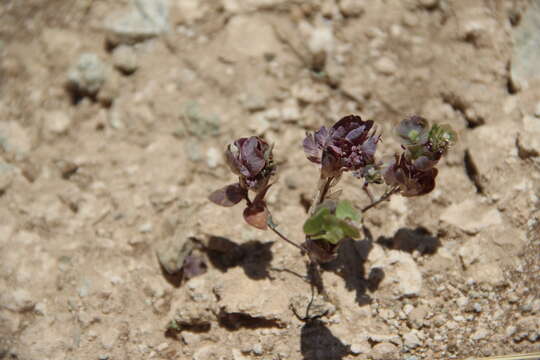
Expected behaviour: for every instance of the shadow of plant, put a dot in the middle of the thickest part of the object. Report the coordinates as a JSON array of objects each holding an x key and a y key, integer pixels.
[
  {"x": 409, "y": 240},
  {"x": 350, "y": 266},
  {"x": 318, "y": 343},
  {"x": 254, "y": 256}
]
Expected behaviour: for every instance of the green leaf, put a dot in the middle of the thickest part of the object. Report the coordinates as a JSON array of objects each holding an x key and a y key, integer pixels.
[
  {"x": 345, "y": 210},
  {"x": 350, "y": 231},
  {"x": 333, "y": 235},
  {"x": 323, "y": 225},
  {"x": 314, "y": 225}
]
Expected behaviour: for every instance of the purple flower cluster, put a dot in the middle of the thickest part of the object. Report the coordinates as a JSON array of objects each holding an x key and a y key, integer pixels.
[
  {"x": 251, "y": 159},
  {"x": 414, "y": 172},
  {"x": 349, "y": 145}
]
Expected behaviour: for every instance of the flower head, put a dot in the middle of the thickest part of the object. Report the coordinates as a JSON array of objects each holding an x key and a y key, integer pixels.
[
  {"x": 349, "y": 145},
  {"x": 411, "y": 180},
  {"x": 251, "y": 159}
]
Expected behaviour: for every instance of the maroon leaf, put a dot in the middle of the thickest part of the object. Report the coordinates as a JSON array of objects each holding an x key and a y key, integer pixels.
[
  {"x": 228, "y": 196},
  {"x": 256, "y": 215}
]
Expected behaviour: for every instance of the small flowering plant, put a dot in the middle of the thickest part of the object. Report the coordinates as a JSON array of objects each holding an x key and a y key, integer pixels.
[{"x": 347, "y": 146}]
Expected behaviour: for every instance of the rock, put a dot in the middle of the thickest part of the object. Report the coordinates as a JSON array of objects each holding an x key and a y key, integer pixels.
[
  {"x": 321, "y": 44},
  {"x": 87, "y": 75},
  {"x": 197, "y": 317},
  {"x": 385, "y": 66},
  {"x": 162, "y": 347},
  {"x": 145, "y": 228},
  {"x": 318, "y": 306},
  {"x": 18, "y": 300},
  {"x": 385, "y": 338},
  {"x": 384, "y": 351},
  {"x": 528, "y": 140},
  {"x": 254, "y": 102},
  {"x": 309, "y": 92},
  {"x": 240, "y": 296},
  {"x": 411, "y": 340},
  {"x": 250, "y": 36},
  {"x": 110, "y": 89},
  {"x": 488, "y": 273},
  {"x": 360, "y": 348},
  {"x": 125, "y": 59},
  {"x": 173, "y": 251},
  {"x": 290, "y": 111},
  {"x": 14, "y": 138},
  {"x": 7, "y": 175},
  {"x": 418, "y": 316},
  {"x": 189, "y": 11},
  {"x": 401, "y": 274},
  {"x": 146, "y": 19},
  {"x": 526, "y": 46},
  {"x": 213, "y": 157},
  {"x": 56, "y": 122},
  {"x": 480, "y": 333},
  {"x": 478, "y": 26},
  {"x": 528, "y": 327},
  {"x": 510, "y": 331},
  {"x": 109, "y": 337},
  {"x": 462, "y": 302},
  {"x": 471, "y": 217},
  {"x": 352, "y": 8},
  {"x": 257, "y": 349},
  {"x": 470, "y": 252}
]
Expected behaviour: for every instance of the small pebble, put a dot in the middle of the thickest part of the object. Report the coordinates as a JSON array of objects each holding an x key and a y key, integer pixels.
[
  {"x": 56, "y": 122},
  {"x": 480, "y": 334},
  {"x": 462, "y": 301},
  {"x": 477, "y": 307},
  {"x": 88, "y": 74},
  {"x": 360, "y": 348},
  {"x": 257, "y": 349},
  {"x": 213, "y": 157},
  {"x": 162, "y": 347},
  {"x": 385, "y": 66},
  {"x": 146, "y": 228},
  {"x": 125, "y": 59},
  {"x": 510, "y": 331}
]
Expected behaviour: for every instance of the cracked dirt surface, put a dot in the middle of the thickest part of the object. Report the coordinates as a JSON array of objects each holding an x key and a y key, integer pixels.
[{"x": 94, "y": 182}]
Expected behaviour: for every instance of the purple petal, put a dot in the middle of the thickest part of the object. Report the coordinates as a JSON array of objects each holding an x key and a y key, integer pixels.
[
  {"x": 311, "y": 149},
  {"x": 252, "y": 156}
]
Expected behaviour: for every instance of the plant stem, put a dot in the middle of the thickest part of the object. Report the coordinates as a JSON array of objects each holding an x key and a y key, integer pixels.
[
  {"x": 384, "y": 197},
  {"x": 273, "y": 227},
  {"x": 321, "y": 193}
]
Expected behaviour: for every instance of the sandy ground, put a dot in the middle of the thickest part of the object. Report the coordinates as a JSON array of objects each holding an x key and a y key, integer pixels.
[{"x": 111, "y": 141}]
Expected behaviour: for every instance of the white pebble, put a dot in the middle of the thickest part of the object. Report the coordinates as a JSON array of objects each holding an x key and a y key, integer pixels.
[
  {"x": 213, "y": 157},
  {"x": 125, "y": 59},
  {"x": 385, "y": 66}
]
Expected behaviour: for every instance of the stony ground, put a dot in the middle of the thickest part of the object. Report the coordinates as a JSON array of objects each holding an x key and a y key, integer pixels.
[{"x": 113, "y": 118}]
